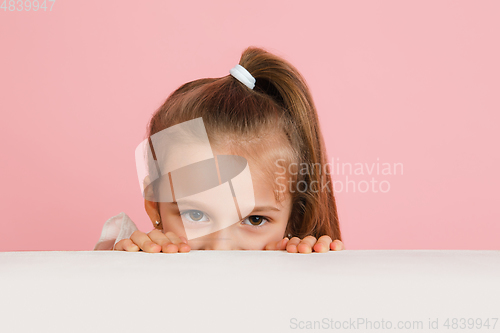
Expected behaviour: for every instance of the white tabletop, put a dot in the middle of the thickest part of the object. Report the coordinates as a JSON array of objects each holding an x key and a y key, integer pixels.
[{"x": 247, "y": 291}]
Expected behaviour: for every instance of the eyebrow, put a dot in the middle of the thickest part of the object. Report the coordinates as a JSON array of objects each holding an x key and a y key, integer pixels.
[
  {"x": 199, "y": 205},
  {"x": 265, "y": 208},
  {"x": 203, "y": 206}
]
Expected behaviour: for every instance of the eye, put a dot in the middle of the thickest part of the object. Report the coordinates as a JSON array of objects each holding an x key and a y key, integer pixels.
[
  {"x": 195, "y": 216},
  {"x": 255, "y": 220}
]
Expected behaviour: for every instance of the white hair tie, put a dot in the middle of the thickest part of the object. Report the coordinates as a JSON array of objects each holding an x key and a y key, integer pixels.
[{"x": 243, "y": 76}]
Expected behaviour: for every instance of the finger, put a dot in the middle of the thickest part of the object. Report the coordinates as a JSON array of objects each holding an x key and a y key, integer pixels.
[
  {"x": 178, "y": 245},
  {"x": 279, "y": 245},
  {"x": 323, "y": 244},
  {"x": 126, "y": 245},
  {"x": 292, "y": 244},
  {"x": 306, "y": 245},
  {"x": 161, "y": 239},
  {"x": 282, "y": 244},
  {"x": 337, "y": 245},
  {"x": 169, "y": 242},
  {"x": 144, "y": 242},
  {"x": 184, "y": 248}
]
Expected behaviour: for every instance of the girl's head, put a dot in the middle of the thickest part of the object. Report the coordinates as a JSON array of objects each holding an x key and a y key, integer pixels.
[{"x": 275, "y": 127}]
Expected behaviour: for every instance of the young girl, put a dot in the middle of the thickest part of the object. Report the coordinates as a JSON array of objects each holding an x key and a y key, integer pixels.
[{"x": 264, "y": 112}]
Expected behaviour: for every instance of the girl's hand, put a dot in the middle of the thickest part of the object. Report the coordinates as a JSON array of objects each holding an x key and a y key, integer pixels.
[
  {"x": 307, "y": 245},
  {"x": 155, "y": 241}
]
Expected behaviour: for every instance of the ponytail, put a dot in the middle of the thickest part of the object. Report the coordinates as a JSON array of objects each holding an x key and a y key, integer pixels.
[{"x": 314, "y": 210}]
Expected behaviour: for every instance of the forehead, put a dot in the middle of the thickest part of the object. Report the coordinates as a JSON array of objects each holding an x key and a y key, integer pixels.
[
  {"x": 266, "y": 169},
  {"x": 267, "y": 152}
]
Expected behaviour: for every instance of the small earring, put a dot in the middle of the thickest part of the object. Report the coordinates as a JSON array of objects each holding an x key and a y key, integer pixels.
[
  {"x": 157, "y": 223},
  {"x": 289, "y": 236}
]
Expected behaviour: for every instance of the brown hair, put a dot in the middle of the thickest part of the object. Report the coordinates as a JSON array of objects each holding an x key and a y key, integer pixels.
[{"x": 280, "y": 107}]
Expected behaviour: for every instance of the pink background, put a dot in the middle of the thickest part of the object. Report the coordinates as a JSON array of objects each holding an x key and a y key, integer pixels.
[{"x": 411, "y": 82}]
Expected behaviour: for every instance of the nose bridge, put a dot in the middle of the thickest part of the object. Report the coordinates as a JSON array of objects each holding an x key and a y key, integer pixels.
[{"x": 220, "y": 240}]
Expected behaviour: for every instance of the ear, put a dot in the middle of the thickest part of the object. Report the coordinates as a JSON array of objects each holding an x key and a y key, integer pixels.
[{"x": 152, "y": 211}]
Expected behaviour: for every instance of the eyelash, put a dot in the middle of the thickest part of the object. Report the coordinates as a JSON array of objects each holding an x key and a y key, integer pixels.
[
  {"x": 195, "y": 210},
  {"x": 265, "y": 218},
  {"x": 257, "y": 226}
]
